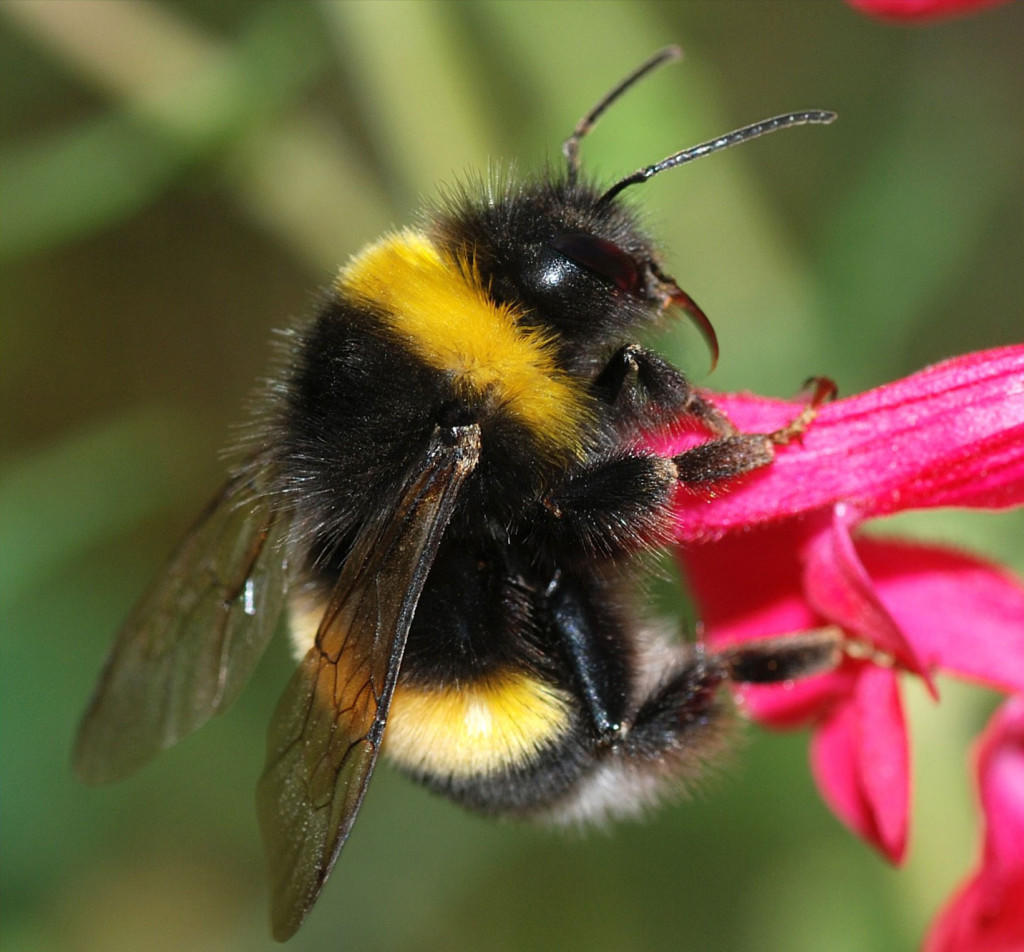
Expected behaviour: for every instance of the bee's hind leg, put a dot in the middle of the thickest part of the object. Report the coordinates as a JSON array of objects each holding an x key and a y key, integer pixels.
[{"x": 682, "y": 718}]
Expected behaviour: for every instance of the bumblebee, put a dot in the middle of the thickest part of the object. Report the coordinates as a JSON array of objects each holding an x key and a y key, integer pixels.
[{"x": 447, "y": 489}]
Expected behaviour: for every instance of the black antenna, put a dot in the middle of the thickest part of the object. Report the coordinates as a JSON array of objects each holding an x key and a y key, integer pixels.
[
  {"x": 571, "y": 146},
  {"x": 810, "y": 116}
]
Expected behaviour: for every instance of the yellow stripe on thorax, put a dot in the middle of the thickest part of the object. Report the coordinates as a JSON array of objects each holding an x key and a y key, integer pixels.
[
  {"x": 475, "y": 728},
  {"x": 441, "y": 311}
]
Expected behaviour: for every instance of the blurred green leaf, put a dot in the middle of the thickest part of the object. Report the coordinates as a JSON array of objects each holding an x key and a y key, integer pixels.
[
  {"x": 903, "y": 236},
  {"x": 71, "y": 183},
  {"x": 57, "y": 503},
  {"x": 115, "y": 167}
]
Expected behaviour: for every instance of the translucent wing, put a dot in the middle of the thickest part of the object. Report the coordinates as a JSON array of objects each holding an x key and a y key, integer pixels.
[
  {"x": 190, "y": 645},
  {"x": 327, "y": 729}
]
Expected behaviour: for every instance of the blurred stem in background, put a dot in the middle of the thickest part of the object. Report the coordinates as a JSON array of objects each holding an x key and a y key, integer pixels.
[{"x": 184, "y": 99}]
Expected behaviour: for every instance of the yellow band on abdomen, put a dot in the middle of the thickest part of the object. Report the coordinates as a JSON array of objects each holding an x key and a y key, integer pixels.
[
  {"x": 476, "y": 728},
  {"x": 459, "y": 731}
]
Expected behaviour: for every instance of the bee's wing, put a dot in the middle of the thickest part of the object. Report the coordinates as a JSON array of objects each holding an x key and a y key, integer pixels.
[
  {"x": 193, "y": 640},
  {"x": 327, "y": 730}
]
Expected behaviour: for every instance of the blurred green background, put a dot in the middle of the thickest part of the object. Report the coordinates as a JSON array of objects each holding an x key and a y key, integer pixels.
[{"x": 176, "y": 179}]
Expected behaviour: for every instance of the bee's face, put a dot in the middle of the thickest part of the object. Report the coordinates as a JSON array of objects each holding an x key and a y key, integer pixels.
[{"x": 567, "y": 260}]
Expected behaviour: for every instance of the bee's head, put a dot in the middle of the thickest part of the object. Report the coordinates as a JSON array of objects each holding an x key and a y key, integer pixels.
[
  {"x": 566, "y": 259},
  {"x": 572, "y": 257}
]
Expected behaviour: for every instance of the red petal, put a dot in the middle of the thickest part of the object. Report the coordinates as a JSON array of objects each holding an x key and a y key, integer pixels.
[
  {"x": 860, "y": 760},
  {"x": 961, "y": 614},
  {"x": 952, "y": 434},
  {"x": 1001, "y": 780},
  {"x": 920, "y": 9},
  {"x": 987, "y": 913},
  {"x": 839, "y": 587},
  {"x": 955, "y": 612},
  {"x": 749, "y": 585},
  {"x": 973, "y": 922},
  {"x": 884, "y": 757},
  {"x": 834, "y": 765}
]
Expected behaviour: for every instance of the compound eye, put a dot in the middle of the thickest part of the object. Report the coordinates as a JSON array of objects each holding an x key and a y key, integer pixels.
[{"x": 603, "y": 258}]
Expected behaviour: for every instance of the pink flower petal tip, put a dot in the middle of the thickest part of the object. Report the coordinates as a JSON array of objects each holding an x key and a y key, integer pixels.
[{"x": 986, "y": 914}]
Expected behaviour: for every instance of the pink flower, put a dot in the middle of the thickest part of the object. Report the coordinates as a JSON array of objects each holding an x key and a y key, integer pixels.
[
  {"x": 920, "y": 9},
  {"x": 777, "y": 551},
  {"x": 987, "y": 912}
]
